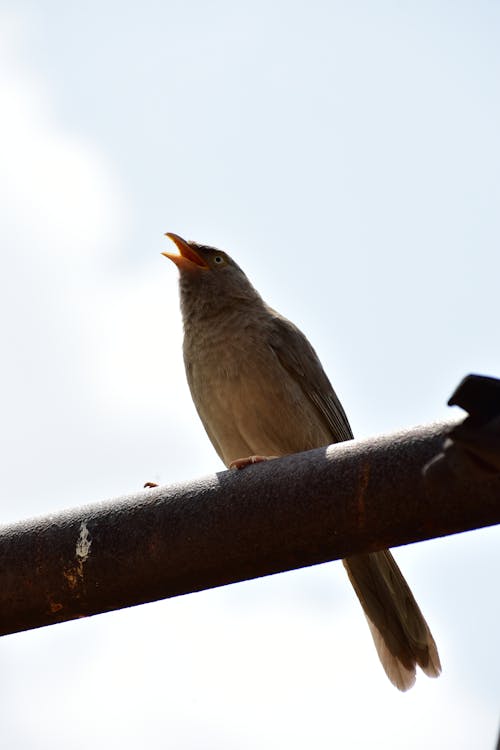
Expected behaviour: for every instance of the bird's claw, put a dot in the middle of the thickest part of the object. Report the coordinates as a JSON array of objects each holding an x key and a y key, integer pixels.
[{"x": 240, "y": 463}]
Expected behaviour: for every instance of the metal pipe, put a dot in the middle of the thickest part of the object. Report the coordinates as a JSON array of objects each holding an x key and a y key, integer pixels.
[{"x": 293, "y": 512}]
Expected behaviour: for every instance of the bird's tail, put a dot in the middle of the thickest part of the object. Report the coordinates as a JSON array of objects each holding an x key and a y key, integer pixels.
[{"x": 402, "y": 637}]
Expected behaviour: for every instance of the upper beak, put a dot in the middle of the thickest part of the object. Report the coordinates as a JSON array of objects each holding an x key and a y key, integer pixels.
[{"x": 188, "y": 259}]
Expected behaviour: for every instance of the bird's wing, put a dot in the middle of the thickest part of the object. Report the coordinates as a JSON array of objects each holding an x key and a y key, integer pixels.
[{"x": 298, "y": 357}]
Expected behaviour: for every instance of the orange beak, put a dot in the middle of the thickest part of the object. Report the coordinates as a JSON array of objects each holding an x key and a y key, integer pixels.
[{"x": 187, "y": 259}]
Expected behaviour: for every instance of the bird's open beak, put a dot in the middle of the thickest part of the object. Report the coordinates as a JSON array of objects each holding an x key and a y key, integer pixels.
[{"x": 187, "y": 259}]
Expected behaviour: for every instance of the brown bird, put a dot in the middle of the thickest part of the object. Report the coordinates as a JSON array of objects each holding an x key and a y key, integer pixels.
[{"x": 261, "y": 392}]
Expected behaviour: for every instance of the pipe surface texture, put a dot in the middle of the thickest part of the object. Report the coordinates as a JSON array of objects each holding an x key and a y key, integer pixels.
[{"x": 289, "y": 513}]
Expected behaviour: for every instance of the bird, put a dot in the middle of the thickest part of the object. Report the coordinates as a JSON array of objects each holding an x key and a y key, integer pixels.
[{"x": 261, "y": 392}]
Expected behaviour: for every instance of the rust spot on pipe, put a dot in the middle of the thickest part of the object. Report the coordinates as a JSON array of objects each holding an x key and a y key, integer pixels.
[{"x": 364, "y": 478}]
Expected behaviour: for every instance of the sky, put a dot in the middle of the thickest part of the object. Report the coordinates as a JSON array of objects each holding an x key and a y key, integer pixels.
[{"x": 347, "y": 156}]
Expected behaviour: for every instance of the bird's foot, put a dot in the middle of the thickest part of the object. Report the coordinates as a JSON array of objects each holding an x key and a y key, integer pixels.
[
  {"x": 240, "y": 463},
  {"x": 150, "y": 485}
]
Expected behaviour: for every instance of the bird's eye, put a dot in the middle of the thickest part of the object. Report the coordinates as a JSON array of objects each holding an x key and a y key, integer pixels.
[{"x": 218, "y": 259}]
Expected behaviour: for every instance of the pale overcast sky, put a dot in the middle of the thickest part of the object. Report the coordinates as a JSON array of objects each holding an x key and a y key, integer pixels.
[{"x": 347, "y": 154}]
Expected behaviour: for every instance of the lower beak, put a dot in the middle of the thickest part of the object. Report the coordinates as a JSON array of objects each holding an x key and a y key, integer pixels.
[{"x": 187, "y": 259}]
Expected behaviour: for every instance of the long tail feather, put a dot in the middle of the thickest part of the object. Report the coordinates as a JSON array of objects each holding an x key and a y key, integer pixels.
[{"x": 401, "y": 635}]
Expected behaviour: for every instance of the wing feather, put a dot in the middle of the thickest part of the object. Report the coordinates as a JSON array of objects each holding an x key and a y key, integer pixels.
[{"x": 298, "y": 357}]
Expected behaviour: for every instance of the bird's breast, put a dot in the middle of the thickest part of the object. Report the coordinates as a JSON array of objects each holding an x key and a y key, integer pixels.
[{"x": 247, "y": 402}]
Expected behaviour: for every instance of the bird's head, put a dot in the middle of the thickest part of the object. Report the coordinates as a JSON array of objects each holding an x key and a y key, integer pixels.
[{"x": 209, "y": 277}]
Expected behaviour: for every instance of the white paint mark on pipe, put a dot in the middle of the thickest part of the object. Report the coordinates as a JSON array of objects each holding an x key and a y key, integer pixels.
[
  {"x": 83, "y": 544},
  {"x": 74, "y": 573}
]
